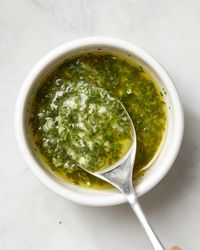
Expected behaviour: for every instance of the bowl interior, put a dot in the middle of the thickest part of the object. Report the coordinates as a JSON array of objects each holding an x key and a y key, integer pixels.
[{"x": 159, "y": 166}]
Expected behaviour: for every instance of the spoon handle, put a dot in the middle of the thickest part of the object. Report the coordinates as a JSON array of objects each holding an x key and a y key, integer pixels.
[{"x": 142, "y": 218}]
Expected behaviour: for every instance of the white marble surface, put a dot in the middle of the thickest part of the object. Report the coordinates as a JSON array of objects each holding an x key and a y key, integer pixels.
[{"x": 29, "y": 213}]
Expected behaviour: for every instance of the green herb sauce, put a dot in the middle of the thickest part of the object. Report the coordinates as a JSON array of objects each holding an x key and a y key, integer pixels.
[{"x": 77, "y": 119}]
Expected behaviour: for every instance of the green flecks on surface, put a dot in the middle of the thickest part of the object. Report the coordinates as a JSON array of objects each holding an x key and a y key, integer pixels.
[{"x": 62, "y": 101}]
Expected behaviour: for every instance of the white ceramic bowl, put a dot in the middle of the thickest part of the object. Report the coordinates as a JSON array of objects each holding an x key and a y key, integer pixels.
[{"x": 167, "y": 152}]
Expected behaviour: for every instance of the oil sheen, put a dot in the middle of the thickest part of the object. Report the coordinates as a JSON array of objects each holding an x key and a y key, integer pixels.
[{"x": 77, "y": 118}]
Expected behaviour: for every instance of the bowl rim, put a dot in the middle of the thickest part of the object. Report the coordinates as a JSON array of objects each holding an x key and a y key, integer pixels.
[{"x": 110, "y": 199}]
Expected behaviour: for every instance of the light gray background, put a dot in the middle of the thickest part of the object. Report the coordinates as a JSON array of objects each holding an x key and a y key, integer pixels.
[{"x": 29, "y": 213}]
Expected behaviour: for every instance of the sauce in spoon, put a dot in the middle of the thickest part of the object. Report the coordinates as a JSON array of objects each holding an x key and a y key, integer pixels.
[{"x": 96, "y": 127}]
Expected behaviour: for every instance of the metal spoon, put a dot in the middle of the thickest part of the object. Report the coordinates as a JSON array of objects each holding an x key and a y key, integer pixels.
[{"x": 120, "y": 176}]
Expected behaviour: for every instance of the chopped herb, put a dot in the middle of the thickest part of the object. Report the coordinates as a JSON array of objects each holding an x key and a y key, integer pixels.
[{"x": 78, "y": 106}]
